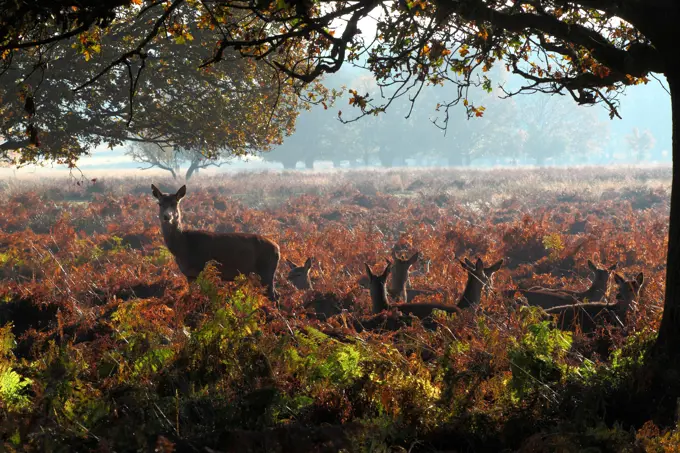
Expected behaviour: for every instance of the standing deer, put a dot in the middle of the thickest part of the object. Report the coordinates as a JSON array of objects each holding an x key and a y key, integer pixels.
[
  {"x": 478, "y": 277},
  {"x": 548, "y": 298},
  {"x": 589, "y": 316},
  {"x": 299, "y": 275},
  {"x": 236, "y": 253}
]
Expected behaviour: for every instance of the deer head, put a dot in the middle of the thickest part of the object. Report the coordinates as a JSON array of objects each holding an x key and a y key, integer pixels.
[{"x": 168, "y": 205}]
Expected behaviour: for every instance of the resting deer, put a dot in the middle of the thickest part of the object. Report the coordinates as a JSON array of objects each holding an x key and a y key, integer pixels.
[
  {"x": 398, "y": 285},
  {"x": 399, "y": 273},
  {"x": 478, "y": 277},
  {"x": 589, "y": 316},
  {"x": 236, "y": 253},
  {"x": 548, "y": 298},
  {"x": 299, "y": 275}
]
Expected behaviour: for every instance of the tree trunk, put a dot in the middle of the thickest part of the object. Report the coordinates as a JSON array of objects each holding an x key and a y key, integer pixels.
[
  {"x": 668, "y": 341},
  {"x": 289, "y": 165},
  {"x": 193, "y": 168},
  {"x": 309, "y": 163}
]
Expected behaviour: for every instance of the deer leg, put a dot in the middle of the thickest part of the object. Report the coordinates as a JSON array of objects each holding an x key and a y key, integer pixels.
[{"x": 267, "y": 275}]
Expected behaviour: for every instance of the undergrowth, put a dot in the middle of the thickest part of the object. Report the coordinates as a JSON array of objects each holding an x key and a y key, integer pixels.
[{"x": 103, "y": 346}]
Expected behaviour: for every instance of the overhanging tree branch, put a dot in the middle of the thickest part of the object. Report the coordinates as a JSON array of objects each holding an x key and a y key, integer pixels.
[
  {"x": 645, "y": 59},
  {"x": 137, "y": 50}
]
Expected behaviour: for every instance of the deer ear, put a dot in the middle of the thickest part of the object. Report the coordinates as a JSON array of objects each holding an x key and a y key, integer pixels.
[
  {"x": 613, "y": 267},
  {"x": 494, "y": 267},
  {"x": 387, "y": 270},
  {"x": 469, "y": 263},
  {"x": 291, "y": 264},
  {"x": 640, "y": 278},
  {"x": 414, "y": 258},
  {"x": 181, "y": 192},
  {"x": 308, "y": 263},
  {"x": 618, "y": 279},
  {"x": 156, "y": 193},
  {"x": 368, "y": 271},
  {"x": 480, "y": 264},
  {"x": 592, "y": 266}
]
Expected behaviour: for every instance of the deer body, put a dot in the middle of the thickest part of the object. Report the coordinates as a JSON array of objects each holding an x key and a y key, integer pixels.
[
  {"x": 590, "y": 316},
  {"x": 546, "y": 298},
  {"x": 471, "y": 295},
  {"x": 479, "y": 277},
  {"x": 399, "y": 274},
  {"x": 381, "y": 303},
  {"x": 398, "y": 286},
  {"x": 236, "y": 253}
]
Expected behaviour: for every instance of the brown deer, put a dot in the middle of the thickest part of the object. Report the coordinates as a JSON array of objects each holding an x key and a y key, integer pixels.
[
  {"x": 548, "y": 298},
  {"x": 397, "y": 288},
  {"x": 299, "y": 275},
  {"x": 380, "y": 302},
  {"x": 236, "y": 253},
  {"x": 399, "y": 273},
  {"x": 590, "y": 316},
  {"x": 478, "y": 277}
]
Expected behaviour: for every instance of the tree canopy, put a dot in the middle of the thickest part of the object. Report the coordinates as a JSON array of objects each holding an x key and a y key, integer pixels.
[
  {"x": 62, "y": 99},
  {"x": 588, "y": 49}
]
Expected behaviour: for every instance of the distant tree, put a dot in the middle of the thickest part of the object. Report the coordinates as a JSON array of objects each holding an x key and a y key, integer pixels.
[
  {"x": 314, "y": 139},
  {"x": 555, "y": 127},
  {"x": 486, "y": 136},
  {"x": 640, "y": 144},
  {"x": 172, "y": 159}
]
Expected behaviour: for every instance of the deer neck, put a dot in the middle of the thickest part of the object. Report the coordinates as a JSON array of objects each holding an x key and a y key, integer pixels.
[
  {"x": 623, "y": 306},
  {"x": 596, "y": 292},
  {"x": 472, "y": 293},
  {"x": 379, "y": 298},
  {"x": 398, "y": 284},
  {"x": 172, "y": 235}
]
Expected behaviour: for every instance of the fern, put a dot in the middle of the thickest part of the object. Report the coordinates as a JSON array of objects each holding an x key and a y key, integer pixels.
[
  {"x": 535, "y": 360},
  {"x": 7, "y": 341},
  {"x": 12, "y": 388}
]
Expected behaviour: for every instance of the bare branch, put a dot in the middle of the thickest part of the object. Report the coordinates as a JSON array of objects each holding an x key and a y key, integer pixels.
[{"x": 25, "y": 45}]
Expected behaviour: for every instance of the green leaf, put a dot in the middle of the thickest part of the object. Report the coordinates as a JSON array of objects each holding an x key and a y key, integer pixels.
[{"x": 12, "y": 386}]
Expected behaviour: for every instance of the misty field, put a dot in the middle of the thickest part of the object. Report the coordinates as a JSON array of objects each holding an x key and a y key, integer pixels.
[{"x": 104, "y": 346}]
